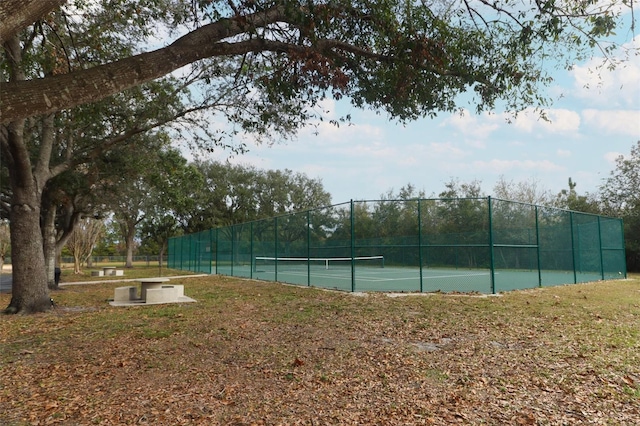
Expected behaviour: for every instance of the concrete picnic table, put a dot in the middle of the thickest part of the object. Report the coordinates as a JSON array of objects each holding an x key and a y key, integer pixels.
[
  {"x": 151, "y": 283},
  {"x": 152, "y": 291}
]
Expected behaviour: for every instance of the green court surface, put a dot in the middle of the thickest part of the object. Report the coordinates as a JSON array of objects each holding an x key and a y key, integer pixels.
[{"x": 406, "y": 279}]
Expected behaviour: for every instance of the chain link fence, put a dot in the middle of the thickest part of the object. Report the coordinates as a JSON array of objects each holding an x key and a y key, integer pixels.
[{"x": 482, "y": 245}]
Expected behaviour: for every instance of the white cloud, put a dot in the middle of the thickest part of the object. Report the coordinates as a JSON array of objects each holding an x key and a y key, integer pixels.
[
  {"x": 326, "y": 108},
  {"x": 617, "y": 88},
  {"x": 502, "y": 166},
  {"x": 623, "y": 122},
  {"x": 558, "y": 121},
  {"x": 365, "y": 151},
  {"x": 479, "y": 127},
  {"x": 563, "y": 153},
  {"x": 325, "y": 133},
  {"x": 561, "y": 121},
  {"x": 476, "y": 143},
  {"x": 447, "y": 149}
]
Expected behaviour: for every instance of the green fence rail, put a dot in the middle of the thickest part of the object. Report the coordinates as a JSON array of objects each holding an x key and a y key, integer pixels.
[{"x": 483, "y": 245}]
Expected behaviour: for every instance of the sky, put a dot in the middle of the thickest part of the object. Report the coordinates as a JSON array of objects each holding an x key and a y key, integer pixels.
[{"x": 595, "y": 118}]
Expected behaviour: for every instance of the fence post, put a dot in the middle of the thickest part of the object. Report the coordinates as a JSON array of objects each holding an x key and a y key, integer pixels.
[
  {"x": 171, "y": 249},
  {"x": 491, "y": 260},
  {"x": 210, "y": 251},
  {"x": 538, "y": 247},
  {"x": 353, "y": 250},
  {"x": 197, "y": 259},
  {"x": 308, "y": 248},
  {"x": 623, "y": 247},
  {"x": 420, "y": 242},
  {"x": 251, "y": 257},
  {"x": 233, "y": 247},
  {"x": 600, "y": 249},
  {"x": 573, "y": 250},
  {"x": 275, "y": 249},
  {"x": 192, "y": 255},
  {"x": 177, "y": 257},
  {"x": 217, "y": 246}
]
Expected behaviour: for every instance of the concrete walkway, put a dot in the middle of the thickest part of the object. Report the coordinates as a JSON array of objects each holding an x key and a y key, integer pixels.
[
  {"x": 6, "y": 280},
  {"x": 128, "y": 280}
]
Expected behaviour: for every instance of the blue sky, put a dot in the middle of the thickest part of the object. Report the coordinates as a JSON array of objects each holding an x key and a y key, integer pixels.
[{"x": 595, "y": 117}]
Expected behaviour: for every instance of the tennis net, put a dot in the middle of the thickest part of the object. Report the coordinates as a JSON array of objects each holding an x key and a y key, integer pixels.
[{"x": 264, "y": 263}]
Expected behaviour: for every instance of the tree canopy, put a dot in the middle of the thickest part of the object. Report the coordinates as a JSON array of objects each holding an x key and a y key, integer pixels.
[
  {"x": 408, "y": 58},
  {"x": 237, "y": 193}
]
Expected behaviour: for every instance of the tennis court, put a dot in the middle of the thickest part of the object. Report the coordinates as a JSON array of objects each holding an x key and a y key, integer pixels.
[
  {"x": 375, "y": 277},
  {"x": 389, "y": 279},
  {"x": 478, "y": 245}
]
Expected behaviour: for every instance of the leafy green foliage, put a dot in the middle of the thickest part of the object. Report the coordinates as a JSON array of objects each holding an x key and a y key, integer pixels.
[
  {"x": 620, "y": 197},
  {"x": 409, "y": 59},
  {"x": 570, "y": 199},
  {"x": 170, "y": 189},
  {"x": 235, "y": 194}
]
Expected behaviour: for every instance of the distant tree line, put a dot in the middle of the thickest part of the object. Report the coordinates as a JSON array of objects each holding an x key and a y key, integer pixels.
[
  {"x": 135, "y": 204},
  {"x": 140, "y": 201}
]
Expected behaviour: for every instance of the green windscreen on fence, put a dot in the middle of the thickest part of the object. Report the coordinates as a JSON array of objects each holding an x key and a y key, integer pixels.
[{"x": 482, "y": 245}]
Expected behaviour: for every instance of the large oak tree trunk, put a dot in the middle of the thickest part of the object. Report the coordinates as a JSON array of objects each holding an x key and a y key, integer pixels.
[
  {"x": 163, "y": 250},
  {"x": 30, "y": 292},
  {"x": 130, "y": 234},
  {"x": 29, "y": 289},
  {"x": 49, "y": 243}
]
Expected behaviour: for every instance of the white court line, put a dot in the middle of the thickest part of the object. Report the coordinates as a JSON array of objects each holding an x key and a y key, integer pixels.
[{"x": 377, "y": 279}]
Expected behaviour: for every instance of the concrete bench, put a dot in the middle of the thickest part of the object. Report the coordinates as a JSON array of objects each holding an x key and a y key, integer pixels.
[
  {"x": 164, "y": 294},
  {"x": 126, "y": 294}
]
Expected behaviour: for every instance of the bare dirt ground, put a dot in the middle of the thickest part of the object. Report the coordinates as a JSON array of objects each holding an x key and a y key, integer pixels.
[{"x": 253, "y": 353}]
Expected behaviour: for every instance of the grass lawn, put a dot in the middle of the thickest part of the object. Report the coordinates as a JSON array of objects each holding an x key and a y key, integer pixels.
[
  {"x": 140, "y": 270},
  {"x": 253, "y": 353}
]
